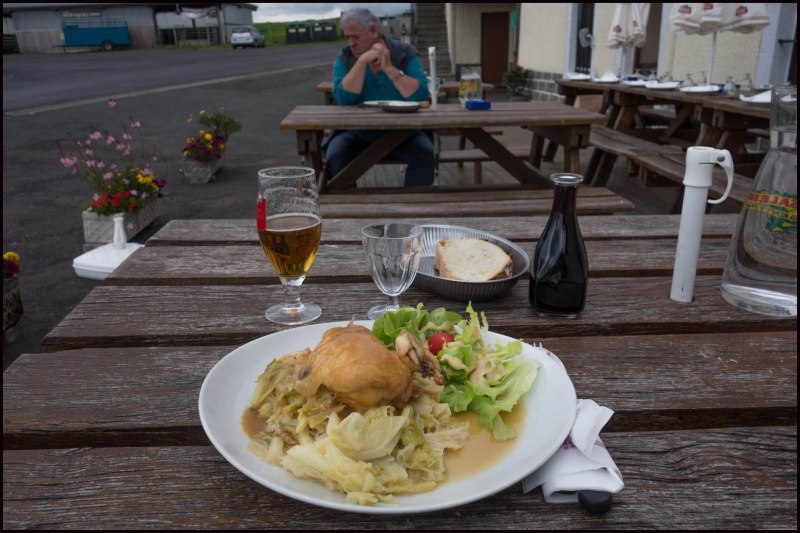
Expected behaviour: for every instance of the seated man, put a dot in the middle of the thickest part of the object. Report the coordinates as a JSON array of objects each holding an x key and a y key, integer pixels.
[{"x": 372, "y": 67}]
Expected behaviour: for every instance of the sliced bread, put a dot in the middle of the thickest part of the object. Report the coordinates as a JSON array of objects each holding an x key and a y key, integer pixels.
[{"x": 470, "y": 259}]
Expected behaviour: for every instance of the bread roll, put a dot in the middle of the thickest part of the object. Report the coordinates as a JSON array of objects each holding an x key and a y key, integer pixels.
[{"x": 470, "y": 259}]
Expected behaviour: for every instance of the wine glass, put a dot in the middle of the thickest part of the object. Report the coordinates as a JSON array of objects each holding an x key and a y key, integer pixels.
[
  {"x": 289, "y": 228},
  {"x": 393, "y": 252}
]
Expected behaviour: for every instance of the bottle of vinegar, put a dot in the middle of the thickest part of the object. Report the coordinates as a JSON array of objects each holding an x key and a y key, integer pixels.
[{"x": 559, "y": 274}]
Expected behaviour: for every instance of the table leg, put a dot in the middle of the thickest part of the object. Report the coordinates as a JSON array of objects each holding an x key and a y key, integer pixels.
[
  {"x": 520, "y": 170},
  {"x": 368, "y": 158}
]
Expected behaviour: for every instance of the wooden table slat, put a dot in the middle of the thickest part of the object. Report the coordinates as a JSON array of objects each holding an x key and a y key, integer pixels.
[
  {"x": 346, "y": 263},
  {"x": 703, "y": 383},
  {"x": 234, "y": 232},
  {"x": 118, "y": 316},
  {"x": 690, "y": 479}
]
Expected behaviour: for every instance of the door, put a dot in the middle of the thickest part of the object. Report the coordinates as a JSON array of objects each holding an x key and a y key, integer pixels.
[
  {"x": 494, "y": 47},
  {"x": 583, "y": 51}
]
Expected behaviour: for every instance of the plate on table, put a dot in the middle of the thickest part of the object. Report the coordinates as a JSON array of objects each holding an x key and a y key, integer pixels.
[
  {"x": 578, "y": 77},
  {"x": 701, "y": 89},
  {"x": 635, "y": 83},
  {"x": 394, "y": 106},
  {"x": 667, "y": 85},
  {"x": 550, "y": 407},
  {"x": 429, "y": 280}
]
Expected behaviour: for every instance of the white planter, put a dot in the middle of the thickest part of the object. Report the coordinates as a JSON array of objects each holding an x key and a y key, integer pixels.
[
  {"x": 12, "y": 303},
  {"x": 201, "y": 171},
  {"x": 99, "y": 229}
]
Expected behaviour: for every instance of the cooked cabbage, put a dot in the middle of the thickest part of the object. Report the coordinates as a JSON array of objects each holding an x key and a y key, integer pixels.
[{"x": 370, "y": 456}]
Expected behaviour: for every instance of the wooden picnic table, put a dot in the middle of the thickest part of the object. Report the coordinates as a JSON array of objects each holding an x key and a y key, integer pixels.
[
  {"x": 565, "y": 125},
  {"x": 714, "y": 120},
  {"x": 101, "y": 429},
  {"x": 448, "y": 88}
]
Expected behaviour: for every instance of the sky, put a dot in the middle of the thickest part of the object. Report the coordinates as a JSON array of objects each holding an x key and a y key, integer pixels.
[{"x": 290, "y": 12}]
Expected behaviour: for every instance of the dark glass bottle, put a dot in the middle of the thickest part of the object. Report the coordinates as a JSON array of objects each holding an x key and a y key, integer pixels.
[{"x": 560, "y": 270}]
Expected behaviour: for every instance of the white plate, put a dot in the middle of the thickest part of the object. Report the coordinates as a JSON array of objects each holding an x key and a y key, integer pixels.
[
  {"x": 701, "y": 89},
  {"x": 667, "y": 85},
  {"x": 635, "y": 83},
  {"x": 601, "y": 80},
  {"x": 550, "y": 405}
]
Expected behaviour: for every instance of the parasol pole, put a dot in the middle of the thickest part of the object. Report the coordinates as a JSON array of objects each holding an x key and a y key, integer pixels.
[{"x": 713, "y": 53}]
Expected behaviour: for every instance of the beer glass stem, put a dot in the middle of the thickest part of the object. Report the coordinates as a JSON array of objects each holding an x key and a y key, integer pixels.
[{"x": 291, "y": 292}]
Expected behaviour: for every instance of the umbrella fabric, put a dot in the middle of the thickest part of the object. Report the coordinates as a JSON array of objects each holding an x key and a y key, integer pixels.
[
  {"x": 628, "y": 27},
  {"x": 744, "y": 18},
  {"x": 707, "y": 18}
]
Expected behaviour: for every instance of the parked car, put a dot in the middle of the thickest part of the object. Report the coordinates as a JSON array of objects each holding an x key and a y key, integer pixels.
[{"x": 247, "y": 36}]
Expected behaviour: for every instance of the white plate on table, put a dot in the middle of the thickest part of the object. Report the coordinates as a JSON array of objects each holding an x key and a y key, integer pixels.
[
  {"x": 394, "y": 106},
  {"x": 701, "y": 89},
  {"x": 635, "y": 83},
  {"x": 663, "y": 86},
  {"x": 226, "y": 392},
  {"x": 578, "y": 77}
]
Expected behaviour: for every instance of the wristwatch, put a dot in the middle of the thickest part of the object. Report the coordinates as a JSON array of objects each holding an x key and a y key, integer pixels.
[{"x": 399, "y": 75}]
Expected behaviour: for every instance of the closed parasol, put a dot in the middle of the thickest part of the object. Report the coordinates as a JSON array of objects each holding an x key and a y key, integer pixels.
[
  {"x": 710, "y": 18},
  {"x": 628, "y": 31}
]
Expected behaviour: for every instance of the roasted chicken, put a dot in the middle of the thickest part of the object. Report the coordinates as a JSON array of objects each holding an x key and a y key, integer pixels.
[{"x": 361, "y": 372}]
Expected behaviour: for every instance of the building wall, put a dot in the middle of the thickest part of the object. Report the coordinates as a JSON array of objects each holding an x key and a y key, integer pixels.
[
  {"x": 39, "y": 30},
  {"x": 464, "y": 22},
  {"x": 547, "y": 47}
]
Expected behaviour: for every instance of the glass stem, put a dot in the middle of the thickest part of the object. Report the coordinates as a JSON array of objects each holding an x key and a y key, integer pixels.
[
  {"x": 291, "y": 293},
  {"x": 394, "y": 303}
]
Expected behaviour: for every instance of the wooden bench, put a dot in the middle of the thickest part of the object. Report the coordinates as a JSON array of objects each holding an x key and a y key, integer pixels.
[
  {"x": 477, "y": 157},
  {"x": 421, "y": 202},
  {"x": 669, "y": 170},
  {"x": 610, "y": 144}
]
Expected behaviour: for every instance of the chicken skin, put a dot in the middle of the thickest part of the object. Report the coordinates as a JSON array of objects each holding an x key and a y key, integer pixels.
[{"x": 360, "y": 371}]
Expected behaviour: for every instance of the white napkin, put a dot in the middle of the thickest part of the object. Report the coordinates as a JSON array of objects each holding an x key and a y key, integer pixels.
[
  {"x": 760, "y": 98},
  {"x": 582, "y": 462}
]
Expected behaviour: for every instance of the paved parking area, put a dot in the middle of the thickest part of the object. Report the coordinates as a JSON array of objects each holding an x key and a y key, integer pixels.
[{"x": 41, "y": 217}]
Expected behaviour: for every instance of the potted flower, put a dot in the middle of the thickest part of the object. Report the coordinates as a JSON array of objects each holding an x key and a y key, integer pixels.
[
  {"x": 121, "y": 178},
  {"x": 203, "y": 154},
  {"x": 515, "y": 80},
  {"x": 12, "y": 301}
]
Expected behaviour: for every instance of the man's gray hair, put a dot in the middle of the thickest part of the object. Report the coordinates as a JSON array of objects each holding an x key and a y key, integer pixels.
[{"x": 363, "y": 18}]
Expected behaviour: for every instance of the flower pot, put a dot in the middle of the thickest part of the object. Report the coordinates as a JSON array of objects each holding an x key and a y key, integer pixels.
[
  {"x": 201, "y": 171},
  {"x": 99, "y": 229},
  {"x": 12, "y": 303}
]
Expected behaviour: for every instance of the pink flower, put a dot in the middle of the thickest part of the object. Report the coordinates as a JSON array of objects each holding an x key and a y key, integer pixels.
[
  {"x": 88, "y": 152},
  {"x": 96, "y": 135},
  {"x": 111, "y": 103},
  {"x": 110, "y": 140},
  {"x": 108, "y": 175},
  {"x": 130, "y": 225},
  {"x": 136, "y": 124}
]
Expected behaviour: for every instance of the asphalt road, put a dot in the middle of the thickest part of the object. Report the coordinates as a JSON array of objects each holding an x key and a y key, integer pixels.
[{"x": 47, "y": 97}]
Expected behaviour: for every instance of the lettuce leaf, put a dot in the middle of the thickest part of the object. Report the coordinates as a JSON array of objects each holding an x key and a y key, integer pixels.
[{"x": 485, "y": 379}]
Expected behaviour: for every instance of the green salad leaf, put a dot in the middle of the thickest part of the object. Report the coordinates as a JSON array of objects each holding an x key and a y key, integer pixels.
[{"x": 484, "y": 379}]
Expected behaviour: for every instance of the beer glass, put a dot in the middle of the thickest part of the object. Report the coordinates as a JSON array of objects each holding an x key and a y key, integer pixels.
[
  {"x": 289, "y": 228},
  {"x": 393, "y": 250}
]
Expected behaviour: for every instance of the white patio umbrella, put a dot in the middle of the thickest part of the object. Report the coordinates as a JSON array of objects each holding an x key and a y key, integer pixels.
[
  {"x": 708, "y": 18},
  {"x": 628, "y": 31}
]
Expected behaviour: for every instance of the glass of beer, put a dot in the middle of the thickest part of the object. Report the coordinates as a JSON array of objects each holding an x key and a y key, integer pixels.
[{"x": 289, "y": 228}]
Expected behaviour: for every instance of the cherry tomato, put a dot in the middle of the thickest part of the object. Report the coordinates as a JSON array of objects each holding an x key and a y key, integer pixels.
[{"x": 436, "y": 342}]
